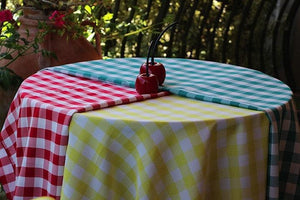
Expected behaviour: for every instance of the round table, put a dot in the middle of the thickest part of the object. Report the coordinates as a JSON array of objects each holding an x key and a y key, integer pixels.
[{"x": 60, "y": 133}]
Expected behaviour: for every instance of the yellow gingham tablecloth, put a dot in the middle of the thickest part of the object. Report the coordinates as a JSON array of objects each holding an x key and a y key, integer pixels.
[{"x": 167, "y": 148}]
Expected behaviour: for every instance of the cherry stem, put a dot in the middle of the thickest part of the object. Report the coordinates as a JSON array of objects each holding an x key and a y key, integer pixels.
[
  {"x": 158, "y": 38},
  {"x": 147, "y": 61}
]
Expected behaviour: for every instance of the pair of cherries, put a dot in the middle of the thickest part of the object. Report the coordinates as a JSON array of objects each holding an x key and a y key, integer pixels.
[{"x": 152, "y": 74}]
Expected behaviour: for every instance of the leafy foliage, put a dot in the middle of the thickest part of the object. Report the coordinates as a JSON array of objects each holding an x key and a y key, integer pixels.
[
  {"x": 8, "y": 79},
  {"x": 13, "y": 46},
  {"x": 237, "y": 32}
]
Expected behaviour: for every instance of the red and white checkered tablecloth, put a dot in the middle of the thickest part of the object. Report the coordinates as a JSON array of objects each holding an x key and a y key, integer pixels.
[{"x": 34, "y": 137}]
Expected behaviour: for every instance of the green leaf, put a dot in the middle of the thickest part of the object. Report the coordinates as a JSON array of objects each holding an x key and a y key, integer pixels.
[
  {"x": 88, "y": 9},
  {"x": 8, "y": 79},
  {"x": 35, "y": 46},
  {"x": 108, "y": 16},
  {"x": 6, "y": 55}
]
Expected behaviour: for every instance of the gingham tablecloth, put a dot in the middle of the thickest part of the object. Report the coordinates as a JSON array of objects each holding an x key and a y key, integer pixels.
[
  {"x": 34, "y": 137},
  {"x": 167, "y": 148},
  {"x": 224, "y": 84}
]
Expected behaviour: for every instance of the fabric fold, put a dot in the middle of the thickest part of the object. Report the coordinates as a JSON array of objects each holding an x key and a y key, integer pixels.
[{"x": 35, "y": 133}]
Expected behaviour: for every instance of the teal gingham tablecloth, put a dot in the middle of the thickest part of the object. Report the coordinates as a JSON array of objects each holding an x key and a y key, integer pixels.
[{"x": 224, "y": 84}]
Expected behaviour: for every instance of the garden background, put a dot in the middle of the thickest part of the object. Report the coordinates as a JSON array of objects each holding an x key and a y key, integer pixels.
[{"x": 258, "y": 34}]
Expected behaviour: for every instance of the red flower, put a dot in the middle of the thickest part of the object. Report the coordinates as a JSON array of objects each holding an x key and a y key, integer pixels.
[
  {"x": 58, "y": 19},
  {"x": 5, "y": 15}
]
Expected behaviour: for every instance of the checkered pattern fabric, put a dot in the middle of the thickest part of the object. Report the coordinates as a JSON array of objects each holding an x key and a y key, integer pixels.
[
  {"x": 167, "y": 148},
  {"x": 34, "y": 137},
  {"x": 225, "y": 84},
  {"x": 203, "y": 80}
]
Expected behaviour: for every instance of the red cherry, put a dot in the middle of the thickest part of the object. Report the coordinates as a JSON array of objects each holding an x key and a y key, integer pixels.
[
  {"x": 157, "y": 69},
  {"x": 146, "y": 84}
]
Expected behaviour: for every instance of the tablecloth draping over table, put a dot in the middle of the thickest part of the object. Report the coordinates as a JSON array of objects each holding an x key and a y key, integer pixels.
[
  {"x": 34, "y": 137},
  {"x": 225, "y": 84},
  {"x": 167, "y": 148}
]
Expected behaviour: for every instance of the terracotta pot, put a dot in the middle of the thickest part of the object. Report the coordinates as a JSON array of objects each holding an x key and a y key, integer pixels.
[{"x": 66, "y": 50}]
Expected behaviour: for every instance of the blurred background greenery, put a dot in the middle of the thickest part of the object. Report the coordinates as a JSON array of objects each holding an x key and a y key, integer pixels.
[{"x": 254, "y": 34}]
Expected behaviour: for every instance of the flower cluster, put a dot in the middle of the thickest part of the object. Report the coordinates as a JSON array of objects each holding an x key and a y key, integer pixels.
[
  {"x": 58, "y": 19},
  {"x": 6, "y": 15},
  {"x": 65, "y": 23}
]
